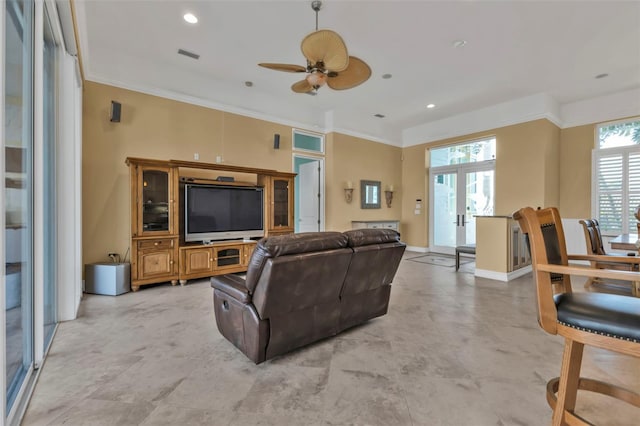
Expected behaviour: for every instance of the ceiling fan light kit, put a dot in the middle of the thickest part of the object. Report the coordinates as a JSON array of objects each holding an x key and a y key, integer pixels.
[{"x": 328, "y": 62}]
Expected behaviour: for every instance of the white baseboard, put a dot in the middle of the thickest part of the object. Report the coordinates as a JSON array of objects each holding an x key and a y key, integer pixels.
[
  {"x": 418, "y": 249},
  {"x": 502, "y": 276}
]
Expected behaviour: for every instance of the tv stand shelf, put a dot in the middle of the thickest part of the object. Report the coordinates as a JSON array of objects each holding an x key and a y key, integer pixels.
[
  {"x": 206, "y": 260},
  {"x": 158, "y": 250}
]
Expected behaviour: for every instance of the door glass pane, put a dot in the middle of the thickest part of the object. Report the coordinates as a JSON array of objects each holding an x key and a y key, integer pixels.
[
  {"x": 18, "y": 151},
  {"x": 49, "y": 151},
  {"x": 478, "y": 201},
  {"x": 444, "y": 210},
  {"x": 280, "y": 202},
  {"x": 155, "y": 193}
]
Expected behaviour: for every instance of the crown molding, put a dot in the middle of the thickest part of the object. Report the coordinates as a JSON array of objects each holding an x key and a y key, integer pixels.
[
  {"x": 530, "y": 108},
  {"x": 609, "y": 107},
  {"x": 193, "y": 100},
  {"x": 168, "y": 94},
  {"x": 521, "y": 110}
]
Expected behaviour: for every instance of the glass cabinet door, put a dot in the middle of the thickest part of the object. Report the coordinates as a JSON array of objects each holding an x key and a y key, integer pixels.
[
  {"x": 281, "y": 203},
  {"x": 155, "y": 200}
]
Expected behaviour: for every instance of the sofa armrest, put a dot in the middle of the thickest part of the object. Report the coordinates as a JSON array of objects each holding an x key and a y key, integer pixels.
[{"x": 232, "y": 285}]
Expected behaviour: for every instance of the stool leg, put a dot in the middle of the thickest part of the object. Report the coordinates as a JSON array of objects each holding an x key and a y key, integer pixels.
[
  {"x": 457, "y": 260},
  {"x": 569, "y": 378}
]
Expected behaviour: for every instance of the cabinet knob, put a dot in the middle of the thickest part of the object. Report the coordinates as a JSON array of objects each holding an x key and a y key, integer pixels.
[
  {"x": 156, "y": 243},
  {"x": 171, "y": 262}
]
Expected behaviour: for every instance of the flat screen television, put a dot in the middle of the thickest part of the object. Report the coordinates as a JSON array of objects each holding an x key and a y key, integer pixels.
[{"x": 215, "y": 212}]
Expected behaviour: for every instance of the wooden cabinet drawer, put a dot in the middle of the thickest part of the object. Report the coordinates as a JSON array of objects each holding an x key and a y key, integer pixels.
[{"x": 159, "y": 244}]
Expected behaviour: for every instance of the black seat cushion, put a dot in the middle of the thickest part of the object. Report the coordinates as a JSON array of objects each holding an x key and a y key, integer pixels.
[{"x": 606, "y": 314}]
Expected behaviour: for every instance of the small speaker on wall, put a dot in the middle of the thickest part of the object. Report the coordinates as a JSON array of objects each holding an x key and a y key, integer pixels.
[
  {"x": 114, "y": 114},
  {"x": 276, "y": 141}
]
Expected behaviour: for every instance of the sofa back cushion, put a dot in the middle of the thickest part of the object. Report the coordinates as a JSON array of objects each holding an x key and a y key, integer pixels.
[
  {"x": 284, "y": 245},
  {"x": 376, "y": 257},
  {"x": 297, "y": 272}
]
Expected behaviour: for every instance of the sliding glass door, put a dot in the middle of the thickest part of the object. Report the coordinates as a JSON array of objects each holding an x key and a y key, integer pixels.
[{"x": 18, "y": 191}]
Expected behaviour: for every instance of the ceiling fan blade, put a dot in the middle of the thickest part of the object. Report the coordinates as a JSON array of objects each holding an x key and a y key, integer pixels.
[
  {"x": 356, "y": 73},
  {"x": 326, "y": 46},
  {"x": 284, "y": 67},
  {"x": 302, "y": 86}
]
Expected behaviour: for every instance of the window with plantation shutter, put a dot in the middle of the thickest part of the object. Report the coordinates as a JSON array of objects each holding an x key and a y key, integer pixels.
[
  {"x": 634, "y": 189},
  {"x": 616, "y": 176}
]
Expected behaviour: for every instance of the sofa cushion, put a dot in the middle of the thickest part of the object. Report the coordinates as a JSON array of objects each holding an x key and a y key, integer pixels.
[
  {"x": 365, "y": 237},
  {"x": 282, "y": 245}
]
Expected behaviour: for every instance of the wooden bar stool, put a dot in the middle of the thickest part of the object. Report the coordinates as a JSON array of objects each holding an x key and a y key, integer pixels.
[{"x": 606, "y": 321}]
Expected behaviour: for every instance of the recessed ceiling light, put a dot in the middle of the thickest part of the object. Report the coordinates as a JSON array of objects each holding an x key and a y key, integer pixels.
[
  {"x": 459, "y": 43},
  {"x": 378, "y": 115},
  {"x": 190, "y": 18},
  {"x": 248, "y": 83},
  {"x": 603, "y": 75},
  {"x": 431, "y": 106},
  {"x": 386, "y": 76}
]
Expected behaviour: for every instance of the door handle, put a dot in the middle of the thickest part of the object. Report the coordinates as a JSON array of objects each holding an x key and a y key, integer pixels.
[
  {"x": 462, "y": 219},
  {"x": 457, "y": 220}
]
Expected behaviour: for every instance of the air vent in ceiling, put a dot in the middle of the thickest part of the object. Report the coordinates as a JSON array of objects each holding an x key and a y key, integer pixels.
[
  {"x": 378, "y": 115},
  {"x": 189, "y": 54}
]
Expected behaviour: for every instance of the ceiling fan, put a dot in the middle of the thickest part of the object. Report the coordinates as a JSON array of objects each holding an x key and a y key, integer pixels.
[{"x": 328, "y": 62}]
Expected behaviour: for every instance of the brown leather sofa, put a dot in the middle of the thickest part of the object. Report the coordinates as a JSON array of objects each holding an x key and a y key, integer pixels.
[{"x": 301, "y": 288}]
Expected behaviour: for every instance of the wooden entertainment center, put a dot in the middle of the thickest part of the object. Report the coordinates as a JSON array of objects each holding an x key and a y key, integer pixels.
[{"x": 158, "y": 250}]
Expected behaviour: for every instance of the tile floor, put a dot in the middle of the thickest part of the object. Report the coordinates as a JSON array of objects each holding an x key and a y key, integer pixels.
[{"x": 453, "y": 350}]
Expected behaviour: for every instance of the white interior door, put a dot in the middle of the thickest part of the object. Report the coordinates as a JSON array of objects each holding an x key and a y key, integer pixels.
[{"x": 309, "y": 197}]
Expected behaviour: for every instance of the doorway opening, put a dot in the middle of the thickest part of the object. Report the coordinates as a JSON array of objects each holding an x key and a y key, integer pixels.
[{"x": 309, "y": 193}]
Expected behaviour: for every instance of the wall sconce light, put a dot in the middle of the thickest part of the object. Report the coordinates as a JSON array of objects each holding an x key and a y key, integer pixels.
[
  {"x": 348, "y": 192},
  {"x": 388, "y": 195}
]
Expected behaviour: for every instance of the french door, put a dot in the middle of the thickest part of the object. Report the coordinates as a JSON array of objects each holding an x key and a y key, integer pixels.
[{"x": 459, "y": 194}]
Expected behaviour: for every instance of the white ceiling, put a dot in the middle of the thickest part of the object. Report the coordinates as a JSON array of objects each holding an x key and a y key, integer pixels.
[{"x": 514, "y": 49}]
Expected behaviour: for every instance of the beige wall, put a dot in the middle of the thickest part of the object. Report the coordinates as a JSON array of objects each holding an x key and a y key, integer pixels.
[
  {"x": 492, "y": 243},
  {"x": 537, "y": 163},
  {"x": 159, "y": 128},
  {"x": 414, "y": 187},
  {"x": 575, "y": 173},
  {"x": 526, "y": 174},
  {"x": 354, "y": 159}
]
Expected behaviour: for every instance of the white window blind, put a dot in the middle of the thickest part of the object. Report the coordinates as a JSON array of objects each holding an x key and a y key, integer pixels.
[
  {"x": 609, "y": 190},
  {"x": 634, "y": 189},
  {"x": 616, "y": 176}
]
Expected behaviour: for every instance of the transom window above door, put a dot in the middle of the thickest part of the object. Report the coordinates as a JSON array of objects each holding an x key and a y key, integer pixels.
[
  {"x": 467, "y": 152},
  {"x": 307, "y": 141}
]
